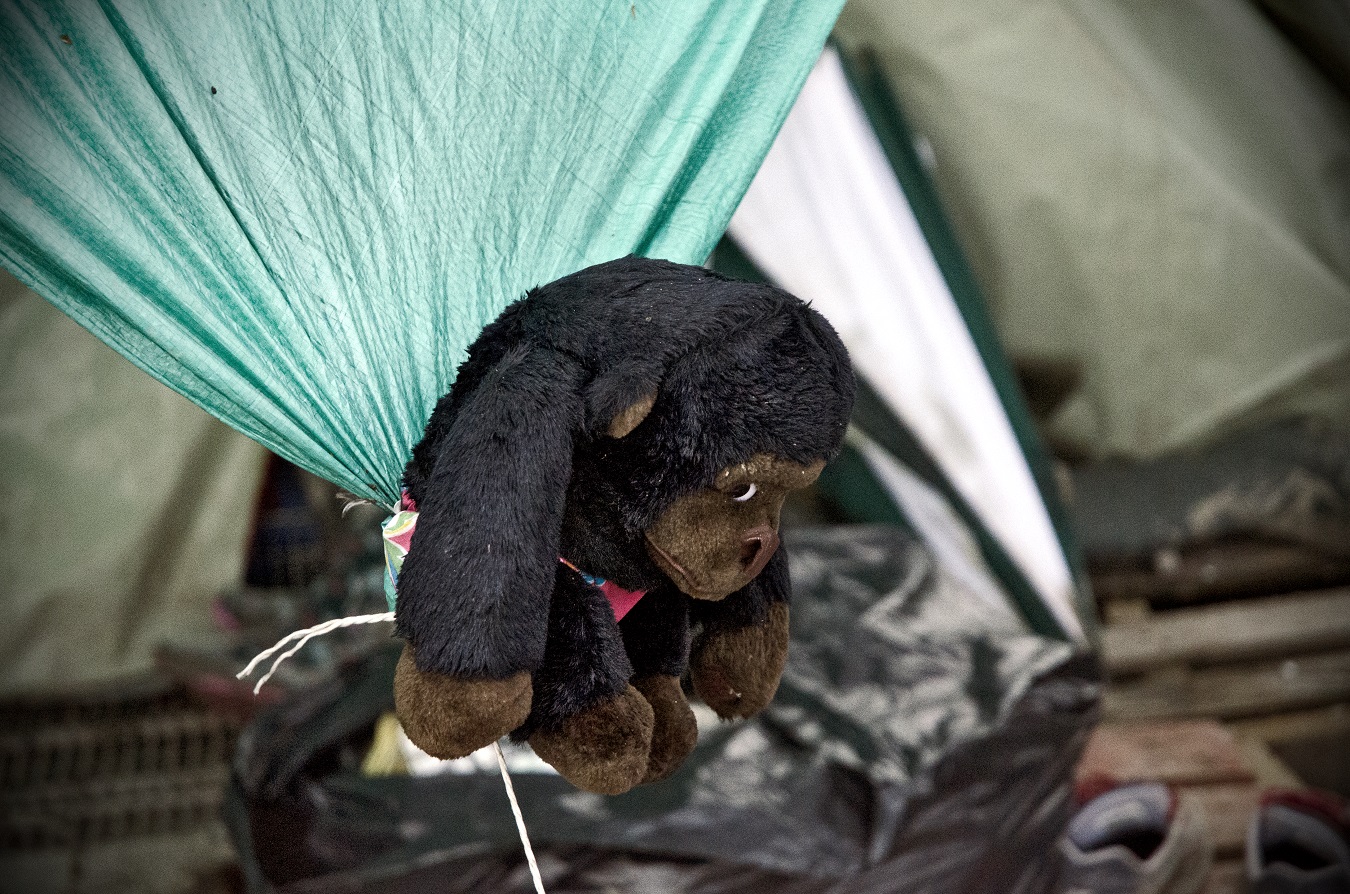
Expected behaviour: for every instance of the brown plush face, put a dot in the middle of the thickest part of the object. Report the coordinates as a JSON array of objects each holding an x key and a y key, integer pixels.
[{"x": 714, "y": 542}]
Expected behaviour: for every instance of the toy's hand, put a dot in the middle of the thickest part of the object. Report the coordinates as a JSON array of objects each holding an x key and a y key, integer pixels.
[
  {"x": 736, "y": 670},
  {"x": 450, "y": 717}
]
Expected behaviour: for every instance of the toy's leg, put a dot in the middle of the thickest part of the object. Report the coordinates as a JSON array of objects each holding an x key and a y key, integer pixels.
[
  {"x": 656, "y": 635},
  {"x": 739, "y": 656},
  {"x": 588, "y": 722}
]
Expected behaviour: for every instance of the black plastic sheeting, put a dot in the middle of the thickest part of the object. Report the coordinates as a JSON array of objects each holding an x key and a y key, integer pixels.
[{"x": 920, "y": 741}]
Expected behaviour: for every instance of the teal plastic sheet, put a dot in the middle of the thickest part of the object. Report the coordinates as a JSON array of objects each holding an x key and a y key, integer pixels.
[{"x": 299, "y": 214}]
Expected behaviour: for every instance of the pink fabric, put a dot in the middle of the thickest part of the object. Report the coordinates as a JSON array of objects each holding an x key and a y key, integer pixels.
[{"x": 621, "y": 600}]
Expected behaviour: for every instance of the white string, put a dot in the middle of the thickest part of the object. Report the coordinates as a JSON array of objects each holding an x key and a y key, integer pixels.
[
  {"x": 351, "y": 501},
  {"x": 304, "y": 636},
  {"x": 520, "y": 820},
  {"x": 300, "y": 637}
]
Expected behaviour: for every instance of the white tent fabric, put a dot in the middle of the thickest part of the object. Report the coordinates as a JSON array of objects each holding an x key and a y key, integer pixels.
[
  {"x": 827, "y": 219},
  {"x": 954, "y": 548}
]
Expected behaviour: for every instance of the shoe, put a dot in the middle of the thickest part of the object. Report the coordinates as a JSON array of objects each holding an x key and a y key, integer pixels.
[
  {"x": 1138, "y": 838},
  {"x": 1299, "y": 843}
]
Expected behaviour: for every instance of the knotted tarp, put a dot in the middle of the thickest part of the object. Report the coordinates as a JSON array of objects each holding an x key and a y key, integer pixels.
[{"x": 299, "y": 214}]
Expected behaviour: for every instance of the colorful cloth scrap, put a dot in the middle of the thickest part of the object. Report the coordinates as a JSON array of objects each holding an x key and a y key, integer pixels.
[{"x": 397, "y": 532}]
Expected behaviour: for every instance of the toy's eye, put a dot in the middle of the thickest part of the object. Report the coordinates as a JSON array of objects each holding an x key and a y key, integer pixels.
[{"x": 746, "y": 493}]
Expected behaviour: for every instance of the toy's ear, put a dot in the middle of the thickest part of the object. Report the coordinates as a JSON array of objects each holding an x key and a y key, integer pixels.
[
  {"x": 474, "y": 592},
  {"x": 631, "y": 416}
]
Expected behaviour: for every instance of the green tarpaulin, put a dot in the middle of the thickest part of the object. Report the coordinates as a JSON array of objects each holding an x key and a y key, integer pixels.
[{"x": 298, "y": 214}]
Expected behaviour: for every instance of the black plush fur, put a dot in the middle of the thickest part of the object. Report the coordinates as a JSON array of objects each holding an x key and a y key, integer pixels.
[{"x": 516, "y": 468}]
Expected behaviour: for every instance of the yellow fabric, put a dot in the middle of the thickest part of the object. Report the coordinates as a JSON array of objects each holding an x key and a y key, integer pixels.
[{"x": 385, "y": 758}]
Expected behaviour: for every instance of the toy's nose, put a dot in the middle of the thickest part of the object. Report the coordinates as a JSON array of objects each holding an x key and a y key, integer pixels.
[{"x": 757, "y": 548}]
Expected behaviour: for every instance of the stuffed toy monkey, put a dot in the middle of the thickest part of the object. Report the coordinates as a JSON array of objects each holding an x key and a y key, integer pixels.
[{"x": 604, "y": 479}]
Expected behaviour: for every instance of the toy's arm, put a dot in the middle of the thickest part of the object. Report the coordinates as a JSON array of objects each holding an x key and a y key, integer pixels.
[
  {"x": 584, "y": 661},
  {"x": 588, "y": 721},
  {"x": 473, "y": 595},
  {"x": 474, "y": 591},
  {"x": 739, "y": 656}
]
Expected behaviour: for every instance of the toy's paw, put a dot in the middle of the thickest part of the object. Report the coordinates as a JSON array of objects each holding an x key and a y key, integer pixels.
[
  {"x": 603, "y": 749},
  {"x": 675, "y": 732},
  {"x": 737, "y": 671},
  {"x": 449, "y": 717}
]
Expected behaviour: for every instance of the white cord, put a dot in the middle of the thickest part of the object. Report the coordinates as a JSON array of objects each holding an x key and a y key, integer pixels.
[
  {"x": 304, "y": 636},
  {"x": 520, "y": 820}
]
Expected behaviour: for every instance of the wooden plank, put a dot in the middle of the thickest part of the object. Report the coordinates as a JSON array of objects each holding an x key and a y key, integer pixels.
[
  {"x": 1256, "y": 628},
  {"x": 1228, "y": 809},
  {"x": 1126, "y": 611},
  {"x": 1321, "y": 761},
  {"x": 1218, "y": 571},
  {"x": 1227, "y": 877},
  {"x": 1269, "y": 769},
  {"x": 1233, "y": 692},
  {"x": 1186, "y": 752},
  {"x": 1332, "y": 720}
]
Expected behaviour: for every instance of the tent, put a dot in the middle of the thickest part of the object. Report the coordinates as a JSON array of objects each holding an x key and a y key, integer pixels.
[{"x": 127, "y": 508}]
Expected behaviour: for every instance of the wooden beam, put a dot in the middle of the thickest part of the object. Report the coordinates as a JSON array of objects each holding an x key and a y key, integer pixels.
[
  {"x": 1228, "y": 809},
  {"x": 1239, "y": 631},
  {"x": 1182, "y": 752},
  {"x": 1221, "y": 570},
  {"x": 1270, "y": 770},
  {"x": 1233, "y": 692},
  {"x": 1332, "y": 720},
  {"x": 1227, "y": 877}
]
